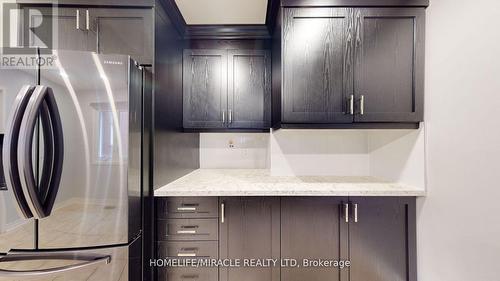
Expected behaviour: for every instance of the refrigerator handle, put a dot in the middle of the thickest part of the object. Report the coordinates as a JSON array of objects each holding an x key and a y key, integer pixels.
[
  {"x": 42, "y": 101},
  {"x": 54, "y": 169},
  {"x": 10, "y": 145},
  {"x": 87, "y": 261}
]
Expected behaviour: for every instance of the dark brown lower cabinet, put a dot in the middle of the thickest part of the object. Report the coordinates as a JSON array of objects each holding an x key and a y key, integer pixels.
[
  {"x": 249, "y": 228},
  {"x": 377, "y": 235},
  {"x": 382, "y": 243},
  {"x": 310, "y": 229}
]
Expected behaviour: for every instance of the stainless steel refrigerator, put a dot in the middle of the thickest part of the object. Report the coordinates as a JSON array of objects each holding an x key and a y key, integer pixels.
[{"x": 71, "y": 155}]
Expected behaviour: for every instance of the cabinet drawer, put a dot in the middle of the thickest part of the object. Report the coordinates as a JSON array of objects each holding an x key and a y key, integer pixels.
[
  {"x": 188, "y": 249},
  {"x": 188, "y": 229},
  {"x": 187, "y": 207},
  {"x": 187, "y": 274}
]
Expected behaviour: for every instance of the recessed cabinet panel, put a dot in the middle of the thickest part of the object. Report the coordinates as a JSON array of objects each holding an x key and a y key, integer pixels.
[
  {"x": 310, "y": 229},
  {"x": 382, "y": 240},
  {"x": 205, "y": 88},
  {"x": 250, "y": 230},
  {"x": 317, "y": 65},
  {"x": 249, "y": 89},
  {"x": 124, "y": 31},
  {"x": 389, "y": 54}
]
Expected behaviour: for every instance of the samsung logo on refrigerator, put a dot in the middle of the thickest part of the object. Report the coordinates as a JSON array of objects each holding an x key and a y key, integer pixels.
[{"x": 113, "y": 62}]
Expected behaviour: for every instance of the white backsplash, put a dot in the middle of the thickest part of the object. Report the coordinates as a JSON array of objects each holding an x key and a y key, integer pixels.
[
  {"x": 234, "y": 150},
  {"x": 395, "y": 155},
  {"x": 319, "y": 153}
]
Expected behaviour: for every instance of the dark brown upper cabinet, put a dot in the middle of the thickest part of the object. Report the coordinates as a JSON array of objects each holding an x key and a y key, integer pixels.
[
  {"x": 317, "y": 65},
  {"x": 227, "y": 89},
  {"x": 249, "y": 89},
  {"x": 249, "y": 228},
  {"x": 102, "y": 30},
  {"x": 352, "y": 65},
  {"x": 205, "y": 88},
  {"x": 388, "y": 70}
]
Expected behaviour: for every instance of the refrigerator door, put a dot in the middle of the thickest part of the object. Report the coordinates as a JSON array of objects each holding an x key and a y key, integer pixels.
[
  {"x": 17, "y": 81},
  {"x": 98, "y": 202},
  {"x": 110, "y": 264}
]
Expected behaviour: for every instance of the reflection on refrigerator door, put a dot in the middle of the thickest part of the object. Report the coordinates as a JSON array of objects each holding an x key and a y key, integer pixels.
[
  {"x": 93, "y": 204},
  {"x": 110, "y": 264},
  {"x": 72, "y": 158},
  {"x": 16, "y": 225}
]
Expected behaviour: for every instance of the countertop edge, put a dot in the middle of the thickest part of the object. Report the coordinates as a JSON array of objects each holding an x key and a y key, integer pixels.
[
  {"x": 181, "y": 187},
  {"x": 416, "y": 193}
]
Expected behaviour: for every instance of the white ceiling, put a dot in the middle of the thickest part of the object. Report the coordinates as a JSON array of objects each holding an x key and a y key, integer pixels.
[{"x": 223, "y": 11}]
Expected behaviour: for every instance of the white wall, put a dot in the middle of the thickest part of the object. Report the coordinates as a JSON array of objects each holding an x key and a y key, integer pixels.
[
  {"x": 459, "y": 220},
  {"x": 398, "y": 155}
]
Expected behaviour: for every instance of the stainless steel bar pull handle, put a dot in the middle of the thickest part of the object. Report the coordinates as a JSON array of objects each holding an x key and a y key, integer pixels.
[
  {"x": 346, "y": 206},
  {"x": 190, "y": 276},
  {"x": 186, "y": 254},
  {"x": 87, "y": 19},
  {"x": 230, "y": 113},
  {"x": 355, "y": 212},
  {"x": 77, "y": 19},
  {"x": 223, "y": 116},
  {"x": 222, "y": 212},
  {"x": 41, "y": 102},
  {"x": 184, "y": 209},
  {"x": 186, "y": 231},
  {"x": 88, "y": 261},
  {"x": 351, "y": 105},
  {"x": 362, "y": 105}
]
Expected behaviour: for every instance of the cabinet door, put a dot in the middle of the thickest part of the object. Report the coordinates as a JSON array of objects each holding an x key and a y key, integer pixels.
[
  {"x": 310, "y": 229},
  {"x": 249, "y": 89},
  {"x": 382, "y": 242},
  {"x": 317, "y": 65},
  {"x": 124, "y": 31},
  {"x": 250, "y": 229},
  {"x": 57, "y": 28},
  {"x": 205, "y": 88},
  {"x": 389, "y": 57}
]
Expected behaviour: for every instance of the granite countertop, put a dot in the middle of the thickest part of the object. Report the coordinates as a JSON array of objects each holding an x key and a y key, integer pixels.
[{"x": 259, "y": 182}]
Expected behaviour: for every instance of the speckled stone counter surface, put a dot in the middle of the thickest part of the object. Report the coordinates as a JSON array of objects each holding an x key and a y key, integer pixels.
[{"x": 258, "y": 182}]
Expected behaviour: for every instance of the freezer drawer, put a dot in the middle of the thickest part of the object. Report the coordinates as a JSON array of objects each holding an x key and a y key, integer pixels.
[
  {"x": 110, "y": 264},
  {"x": 187, "y": 207},
  {"x": 187, "y": 229}
]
